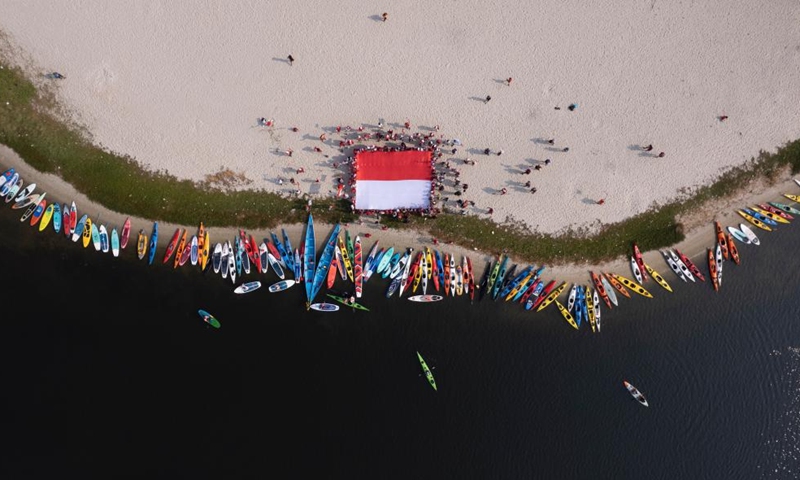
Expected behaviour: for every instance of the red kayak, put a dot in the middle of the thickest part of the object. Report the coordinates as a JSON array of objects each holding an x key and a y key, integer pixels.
[
  {"x": 172, "y": 244},
  {"x": 691, "y": 266},
  {"x": 126, "y": 233},
  {"x": 637, "y": 255}
]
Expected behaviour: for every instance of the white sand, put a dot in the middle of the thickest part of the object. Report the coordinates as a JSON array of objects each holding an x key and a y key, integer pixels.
[{"x": 180, "y": 88}]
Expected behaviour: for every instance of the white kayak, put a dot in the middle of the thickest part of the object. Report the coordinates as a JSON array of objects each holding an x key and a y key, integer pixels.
[{"x": 425, "y": 298}]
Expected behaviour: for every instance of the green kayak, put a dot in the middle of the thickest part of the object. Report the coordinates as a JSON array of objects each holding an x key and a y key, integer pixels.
[
  {"x": 427, "y": 371},
  {"x": 348, "y": 303}
]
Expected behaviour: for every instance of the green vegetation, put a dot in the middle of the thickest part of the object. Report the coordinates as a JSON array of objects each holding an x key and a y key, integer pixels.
[{"x": 49, "y": 145}]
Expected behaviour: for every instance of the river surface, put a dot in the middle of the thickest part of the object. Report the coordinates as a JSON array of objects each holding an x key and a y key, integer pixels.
[{"x": 109, "y": 370}]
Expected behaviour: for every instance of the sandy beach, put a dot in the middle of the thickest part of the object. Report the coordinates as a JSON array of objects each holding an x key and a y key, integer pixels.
[{"x": 181, "y": 90}]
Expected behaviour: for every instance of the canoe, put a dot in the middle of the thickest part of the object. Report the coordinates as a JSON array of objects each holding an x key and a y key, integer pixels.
[
  {"x": 588, "y": 294},
  {"x": 772, "y": 216},
  {"x": 785, "y": 208},
  {"x": 86, "y": 236},
  {"x": 247, "y": 287},
  {"x": 777, "y": 211},
  {"x": 612, "y": 295},
  {"x": 637, "y": 271},
  {"x": 573, "y": 295},
  {"x": 173, "y": 244},
  {"x": 358, "y": 269},
  {"x": 38, "y": 212},
  {"x": 567, "y": 316},
  {"x": 281, "y": 286},
  {"x": 692, "y": 267},
  {"x": 57, "y": 217},
  {"x": 321, "y": 272},
  {"x": 551, "y": 297},
  {"x": 636, "y": 393},
  {"x": 324, "y": 307},
  {"x": 684, "y": 268},
  {"x": 425, "y": 298},
  {"x": 628, "y": 283},
  {"x": 722, "y": 240},
  {"x": 125, "y": 234},
  {"x": 96, "y": 243},
  {"x": 309, "y": 257},
  {"x": 750, "y": 234},
  {"x": 47, "y": 216},
  {"x": 712, "y": 269},
  {"x": 600, "y": 288},
  {"x": 209, "y": 319},
  {"x": 114, "y": 242},
  {"x": 754, "y": 221},
  {"x": 738, "y": 235},
  {"x": 639, "y": 261},
  {"x": 761, "y": 217},
  {"x": 178, "y": 250},
  {"x": 617, "y": 284},
  {"x": 658, "y": 278},
  {"x": 734, "y": 252},
  {"x": 207, "y": 252},
  {"x": 346, "y": 302},
  {"x": 427, "y": 371},
  {"x": 153, "y": 244},
  {"x": 216, "y": 258},
  {"x": 141, "y": 244}
]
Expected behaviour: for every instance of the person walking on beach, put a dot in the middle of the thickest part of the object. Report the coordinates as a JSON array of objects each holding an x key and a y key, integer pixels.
[
  {"x": 648, "y": 148},
  {"x": 508, "y": 81},
  {"x": 547, "y": 161},
  {"x": 601, "y": 201},
  {"x": 385, "y": 16},
  {"x": 503, "y": 191},
  {"x": 661, "y": 155},
  {"x": 537, "y": 167},
  {"x": 291, "y": 60},
  {"x": 527, "y": 171},
  {"x": 488, "y": 98}
]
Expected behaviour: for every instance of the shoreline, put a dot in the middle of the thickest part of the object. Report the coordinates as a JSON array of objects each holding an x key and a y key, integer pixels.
[{"x": 699, "y": 232}]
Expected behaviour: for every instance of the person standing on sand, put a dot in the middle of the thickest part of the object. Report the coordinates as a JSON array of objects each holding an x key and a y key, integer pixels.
[
  {"x": 648, "y": 148},
  {"x": 527, "y": 171},
  {"x": 291, "y": 60},
  {"x": 488, "y": 98},
  {"x": 661, "y": 155},
  {"x": 508, "y": 81},
  {"x": 601, "y": 201},
  {"x": 385, "y": 16}
]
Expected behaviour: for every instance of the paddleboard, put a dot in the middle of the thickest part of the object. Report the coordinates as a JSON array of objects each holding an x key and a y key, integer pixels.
[
  {"x": 25, "y": 193},
  {"x": 114, "y": 242},
  {"x": 247, "y": 287},
  {"x": 209, "y": 319},
  {"x": 281, "y": 286},
  {"x": 738, "y": 235},
  {"x": 425, "y": 298},
  {"x": 324, "y": 307}
]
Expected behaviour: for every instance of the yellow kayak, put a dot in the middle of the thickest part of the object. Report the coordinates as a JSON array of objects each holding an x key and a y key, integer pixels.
[
  {"x": 141, "y": 244},
  {"x": 632, "y": 285},
  {"x": 794, "y": 198},
  {"x": 205, "y": 252},
  {"x": 348, "y": 266},
  {"x": 522, "y": 284},
  {"x": 552, "y": 296},
  {"x": 658, "y": 278},
  {"x": 770, "y": 215},
  {"x": 758, "y": 223},
  {"x": 590, "y": 307},
  {"x": 567, "y": 316}
]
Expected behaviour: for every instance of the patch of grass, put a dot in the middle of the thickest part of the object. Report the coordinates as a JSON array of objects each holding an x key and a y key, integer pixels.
[{"x": 48, "y": 144}]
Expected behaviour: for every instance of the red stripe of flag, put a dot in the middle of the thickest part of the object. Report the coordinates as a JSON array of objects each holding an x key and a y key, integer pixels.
[{"x": 405, "y": 165}]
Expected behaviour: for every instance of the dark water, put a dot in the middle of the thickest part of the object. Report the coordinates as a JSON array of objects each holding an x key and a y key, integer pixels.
[{"x": 109, "y": 370}]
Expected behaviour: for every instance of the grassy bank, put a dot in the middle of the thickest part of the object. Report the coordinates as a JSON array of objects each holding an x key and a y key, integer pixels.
[{"x": 119, "y": 183}]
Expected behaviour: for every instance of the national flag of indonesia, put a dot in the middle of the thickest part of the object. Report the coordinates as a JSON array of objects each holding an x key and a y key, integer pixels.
[{"x": 390, "y": 180}]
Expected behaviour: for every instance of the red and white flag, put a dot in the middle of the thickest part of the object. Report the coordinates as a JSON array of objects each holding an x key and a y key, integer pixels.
[{"x": 390, "y": 180}]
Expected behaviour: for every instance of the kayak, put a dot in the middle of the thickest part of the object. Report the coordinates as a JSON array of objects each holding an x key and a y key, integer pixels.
[
  {"x": 427, "y": 371},
  {"x": 658, "y": 278},
  {"x": 636, "y": 393},
  {"x": 632, "y": 285},
  {"x": 565, "y": 313},
  {"x": 347, "y": 302},
  {"x": 426, "y": 298},
  {"x": 754, "y": 221},
  {"x": 692, "y": 267}
]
